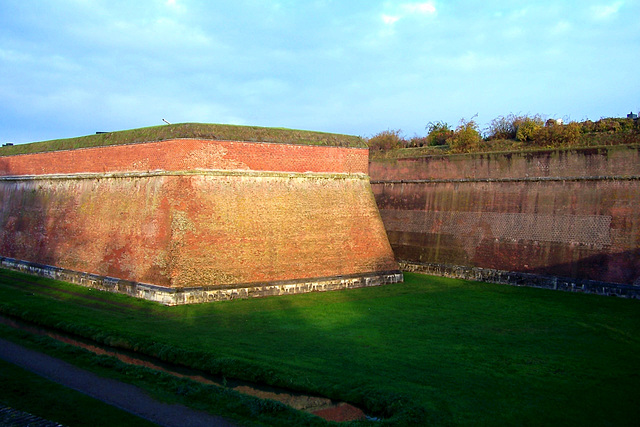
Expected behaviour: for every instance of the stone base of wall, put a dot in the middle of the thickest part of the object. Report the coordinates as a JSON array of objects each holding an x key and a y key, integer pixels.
[
  {"x": 178, "y": 296},
  {"x": 523, "y": 279}
]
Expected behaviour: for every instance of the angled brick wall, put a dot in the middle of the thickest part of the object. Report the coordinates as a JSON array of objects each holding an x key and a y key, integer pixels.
[{"x": 196, "y": 214}]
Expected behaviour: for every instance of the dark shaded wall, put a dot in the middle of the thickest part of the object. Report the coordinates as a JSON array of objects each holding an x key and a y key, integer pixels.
[{"x": 567, "y": 213}]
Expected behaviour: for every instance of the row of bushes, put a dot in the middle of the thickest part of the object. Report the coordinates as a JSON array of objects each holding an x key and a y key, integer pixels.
[{"x": 529, "y": 131}]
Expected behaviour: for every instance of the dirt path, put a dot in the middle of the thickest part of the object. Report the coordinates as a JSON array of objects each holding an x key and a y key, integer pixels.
[{"x": 124, "y": 396}]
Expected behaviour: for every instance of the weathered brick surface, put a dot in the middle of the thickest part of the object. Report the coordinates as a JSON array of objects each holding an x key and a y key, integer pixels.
[
  {"x": 586, "y": 227},
  {"x": 190, "y": 154},
  {"x": 198, "y": 214},
  {"x": 196, "y": 230},
  {"x": 612, "y": 161}
]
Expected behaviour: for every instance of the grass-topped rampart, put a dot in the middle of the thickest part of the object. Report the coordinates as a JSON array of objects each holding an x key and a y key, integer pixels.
[
  {"x": 190, "y": 130},
  {"x": 506, "y": 134},
  {"x": 501, "y": 148}
]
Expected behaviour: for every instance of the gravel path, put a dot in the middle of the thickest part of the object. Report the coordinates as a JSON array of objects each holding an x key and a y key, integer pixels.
[{"x": 124, "y": 396}]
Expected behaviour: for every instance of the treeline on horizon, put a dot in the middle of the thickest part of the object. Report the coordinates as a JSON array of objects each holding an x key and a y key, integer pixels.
[{"x": 506, "y": 133}]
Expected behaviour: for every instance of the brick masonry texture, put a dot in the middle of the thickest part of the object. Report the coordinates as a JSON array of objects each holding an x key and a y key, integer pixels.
[
  {"x": 571, "y": 214},
  {"x": 190, "y": 154},
  {"x": 196, "y": 228},
  {"x": 591, "y": 162}
]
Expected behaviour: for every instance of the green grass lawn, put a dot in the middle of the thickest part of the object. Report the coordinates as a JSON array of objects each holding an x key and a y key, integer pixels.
[{"x": 428, "y": 350}]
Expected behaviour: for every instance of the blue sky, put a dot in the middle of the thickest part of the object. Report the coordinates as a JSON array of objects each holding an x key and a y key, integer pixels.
[{"x": 74, "y": 67}]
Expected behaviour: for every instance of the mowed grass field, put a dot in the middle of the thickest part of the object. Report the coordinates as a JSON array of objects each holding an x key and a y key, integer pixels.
[{"x": 428, "y": 351}]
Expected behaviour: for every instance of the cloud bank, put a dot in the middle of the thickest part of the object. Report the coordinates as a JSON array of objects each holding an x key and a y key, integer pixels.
[{"x": 73, "y": 67}]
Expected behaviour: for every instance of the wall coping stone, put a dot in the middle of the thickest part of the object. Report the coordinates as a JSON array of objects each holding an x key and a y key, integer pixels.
[
  {"x": 200, "y": 172},
  {"x": 522, "y": 179}
]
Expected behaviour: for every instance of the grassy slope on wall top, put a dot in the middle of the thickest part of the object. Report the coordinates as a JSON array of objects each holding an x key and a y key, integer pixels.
[
  {"x": 501, "y": 147},
  {"x": 190, "y": 130}
]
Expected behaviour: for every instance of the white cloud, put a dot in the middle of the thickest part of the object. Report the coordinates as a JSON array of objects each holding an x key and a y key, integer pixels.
[
  {"x": 10, "y": 55},
  {"x": 427, "y": 8},
  {"x": 175, "y": 6},
  {"x": 561, "y": 27},
  {"x": 513, "y": 32},
  {"x": 196, "y": 61},
  {"x": 472, "y": 62},
  {"x": 161, "y": 32},
  {"x": 407, "y": 10},
  {"x": 606, "y": 11},
  {"x": 263, "y": 88},
  {"x": 389, "y": 20}
]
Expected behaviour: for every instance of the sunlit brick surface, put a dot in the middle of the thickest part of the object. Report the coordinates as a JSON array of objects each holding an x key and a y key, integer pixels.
[
  {"x": 191, "y": 154},
  {"x": 230, "y": 213}
]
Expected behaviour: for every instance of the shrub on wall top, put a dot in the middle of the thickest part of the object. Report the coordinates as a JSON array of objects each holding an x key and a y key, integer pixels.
[
  {"x": 386, "y": 140},
  {"x": 439, "y": 133},
  {"x": 466, "y": 136},
  {"x": 527, "y": 129},
  {"x": 558, "y": 135},
  {"x": 503, "y": 127}
]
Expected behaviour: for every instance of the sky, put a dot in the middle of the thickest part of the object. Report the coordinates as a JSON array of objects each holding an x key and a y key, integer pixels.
[{"x": 74, "y": 67}]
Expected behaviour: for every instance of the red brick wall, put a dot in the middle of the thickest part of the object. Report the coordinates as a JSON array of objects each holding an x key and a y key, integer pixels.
[
  {"x": 190, "y": 154},
  {"x": 612, "y": 161},
  {"x": 524, "y": 218},
  {"x": 196, "y": 228}
]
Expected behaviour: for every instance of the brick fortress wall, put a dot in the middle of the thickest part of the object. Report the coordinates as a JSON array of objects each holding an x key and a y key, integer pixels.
[
  {"x": 190, "y": 154},
  {"x": 215, "y": 219},
  {"x": 564, "y": 213}
]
